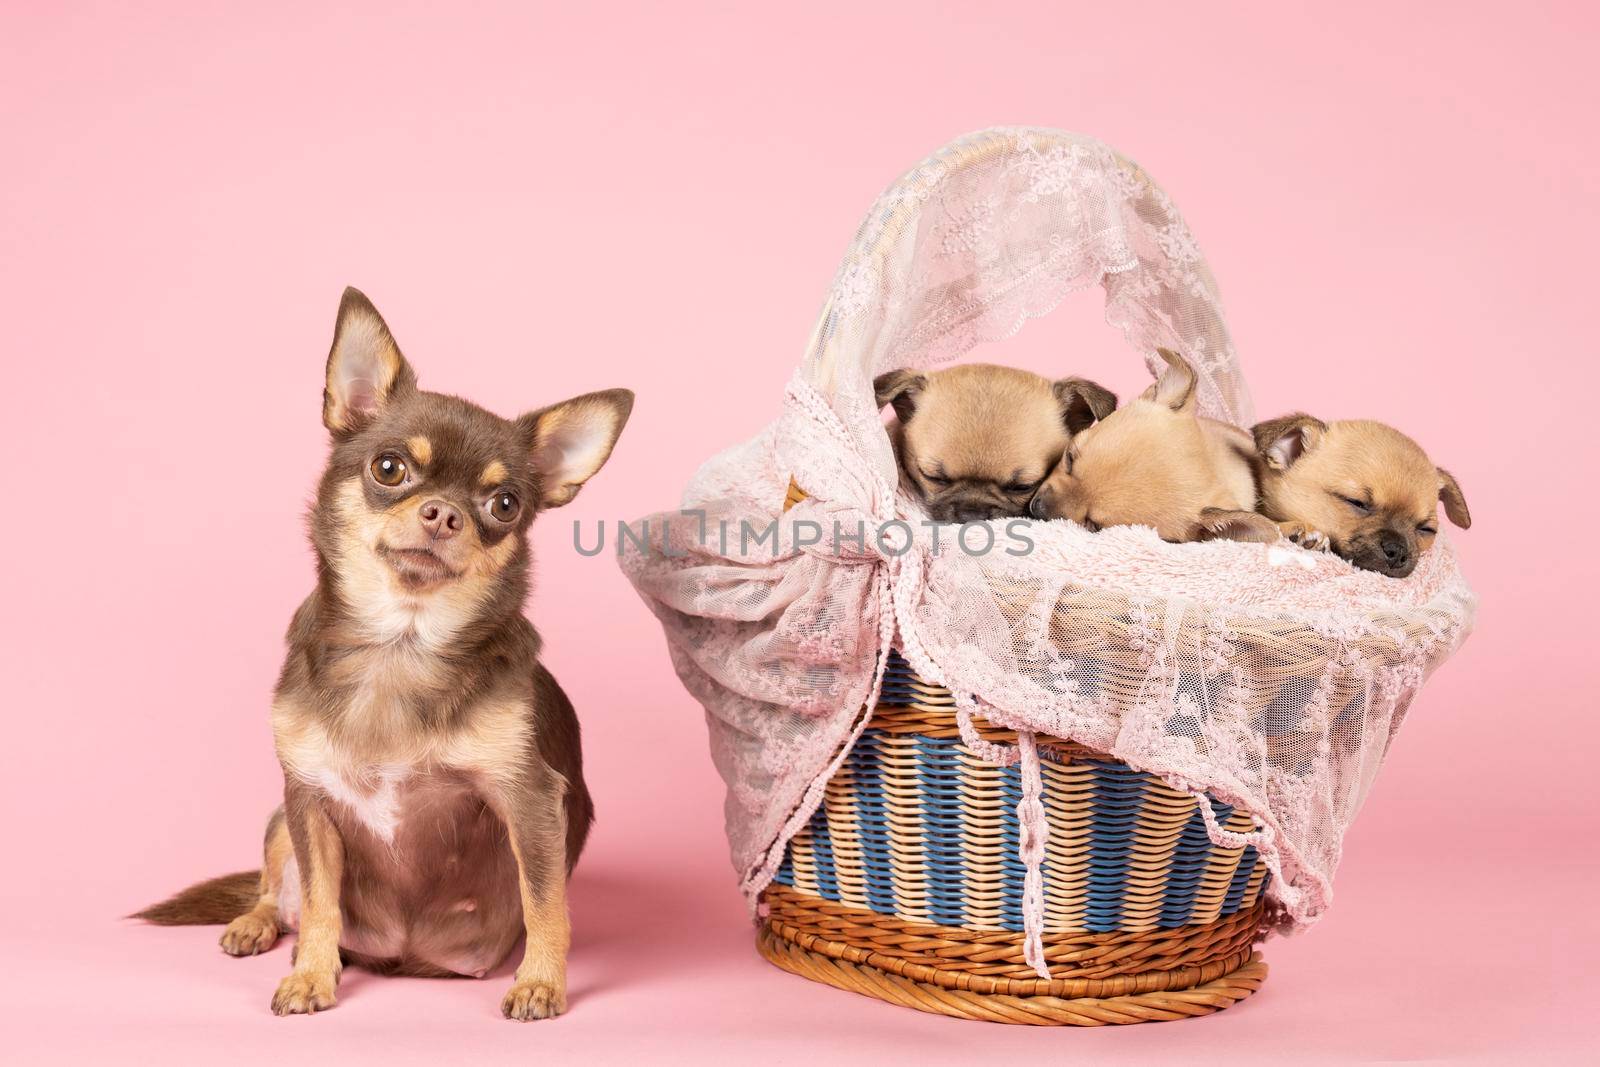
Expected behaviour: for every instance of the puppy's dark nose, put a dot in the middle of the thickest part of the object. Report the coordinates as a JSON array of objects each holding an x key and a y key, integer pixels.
[
  {"x": 1036, "y": 507},
  {"x": 1395, "y": 549},
  {"x": 977, "y": 514},
  {"x": 441, "y": 520}
]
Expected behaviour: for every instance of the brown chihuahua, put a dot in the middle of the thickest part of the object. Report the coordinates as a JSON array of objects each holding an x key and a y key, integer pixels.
[
  {"x": 434, "y": 801},
  {"x": 974, "y": 441},
  {"x": 1156, "y": 463},
  {"x": 1363, "y": 489}
]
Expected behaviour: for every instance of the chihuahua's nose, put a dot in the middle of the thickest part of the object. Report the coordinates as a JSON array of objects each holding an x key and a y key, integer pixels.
[
  {"x": 1394, "y": 548},
  {"x": 1036, "y": 506},
  {"x": 441, "y": 520}
]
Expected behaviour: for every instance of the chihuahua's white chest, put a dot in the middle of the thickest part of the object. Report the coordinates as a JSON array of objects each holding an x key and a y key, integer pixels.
[
  {"x": 367, "y": 782},
  {"x": 372, "y": 795},
  {"x": 377, "y": 763}
]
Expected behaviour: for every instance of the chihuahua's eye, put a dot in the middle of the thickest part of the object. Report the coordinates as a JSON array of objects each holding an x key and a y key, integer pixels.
[
  {"x": 1023, "y": 487},
  {"x": 1360, "y": 505},
  {"x": 1427, "y": 529},
  {"x": 936, "y": 479},
  {"x": 389, "y": 469},
  {"x": 504, "y": 506}
]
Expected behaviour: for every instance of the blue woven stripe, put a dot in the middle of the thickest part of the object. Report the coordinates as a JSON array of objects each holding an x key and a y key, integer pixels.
[
  {"x": 1189, "y": 861},
  {"x": 1015, "y": 873},
  {"x": 1241, "y": 880},
  {"x": 822, "y": 855},
  {"x": 897, "y": 681},
  {"x": 1117, "y": 799},
  {"x": 873, "y": 821},
  {"x": 939, "y": 775},
  {"x": 785, "y": 875}
]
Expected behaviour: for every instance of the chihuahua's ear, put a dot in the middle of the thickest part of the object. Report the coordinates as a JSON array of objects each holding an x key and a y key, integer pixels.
[
  {"x": 900, "y": 388},
  {"x": 1282, "y": 441},
  {"x": 572, "y": 440},
  {"x": 1222, "y": 524},
  {"x": 1175, "y": 387},
  {"x": 1083, "y": 403},
  {"x": 1455, "y": 502},
  {"x": 365, "y": 367}
]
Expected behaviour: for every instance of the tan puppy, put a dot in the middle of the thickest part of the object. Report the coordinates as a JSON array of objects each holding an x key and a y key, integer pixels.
[
  {"x": 1156, "y": 463},
  {"x": 1363, "y": 489},
  {"x": 974, "y": 441}
]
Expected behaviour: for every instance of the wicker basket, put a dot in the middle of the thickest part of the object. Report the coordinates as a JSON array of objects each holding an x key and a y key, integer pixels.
[{"x": 906, "y": 884}]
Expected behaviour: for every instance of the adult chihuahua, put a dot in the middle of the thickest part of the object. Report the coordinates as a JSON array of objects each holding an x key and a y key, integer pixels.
[{"x": 434, "y": 801}]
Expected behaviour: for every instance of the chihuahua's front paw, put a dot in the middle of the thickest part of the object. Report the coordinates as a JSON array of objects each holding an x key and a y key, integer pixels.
[
  {"x": 250, "y": 934},
  {"x": 304, "y": 994},
  {"x": 1304, "y": 536},
  {"x": 528, "y": 1001}
]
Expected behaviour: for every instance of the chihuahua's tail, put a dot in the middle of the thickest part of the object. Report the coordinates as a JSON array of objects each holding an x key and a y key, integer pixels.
[{"x": 213, "y": 902}]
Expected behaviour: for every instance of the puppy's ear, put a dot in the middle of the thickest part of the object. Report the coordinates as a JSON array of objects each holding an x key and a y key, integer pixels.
[
  {"x": 365, "y": 367},
  {"x": 900, "y": 388},
  {"x": 1083, "y": 402},
  {"x": 572, "y": 440},
  {"x": 1282, "y": 441},
  {"x": 1455, "y": 502},
  {"x": 1221, "y": 524},
  {"x": 1175, "y": 387}
]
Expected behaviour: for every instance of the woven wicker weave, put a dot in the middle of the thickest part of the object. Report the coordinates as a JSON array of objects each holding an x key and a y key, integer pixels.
[{"x": 906, "y": 885}]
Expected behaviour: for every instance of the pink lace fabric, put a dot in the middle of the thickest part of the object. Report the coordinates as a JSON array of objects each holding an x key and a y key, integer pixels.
[{"x": 1270, "y": 677}]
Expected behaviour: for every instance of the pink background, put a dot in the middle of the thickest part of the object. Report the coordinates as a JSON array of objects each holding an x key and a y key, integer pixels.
[{"x": 1400, "y": 207}]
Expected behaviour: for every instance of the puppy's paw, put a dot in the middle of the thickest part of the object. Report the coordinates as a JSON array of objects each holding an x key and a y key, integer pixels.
[
  {"x": 1304, "y": 536},
  {"x": 528, "y": 1001},
  {"x": 1316, "y": 541},
  {"x": 304, "y": 994},
  {"x": 250, "y": 934}
]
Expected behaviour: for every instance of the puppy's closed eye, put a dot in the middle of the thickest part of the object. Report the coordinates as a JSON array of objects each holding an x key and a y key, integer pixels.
[{"x": 1361, "y": 506}]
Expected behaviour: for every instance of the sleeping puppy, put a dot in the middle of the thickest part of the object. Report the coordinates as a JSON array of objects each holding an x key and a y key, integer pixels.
[
  {"x": 974, "y": 441},
  {"x": 1157, "y": 463},
  {"x": 1363, "y": 489}
]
